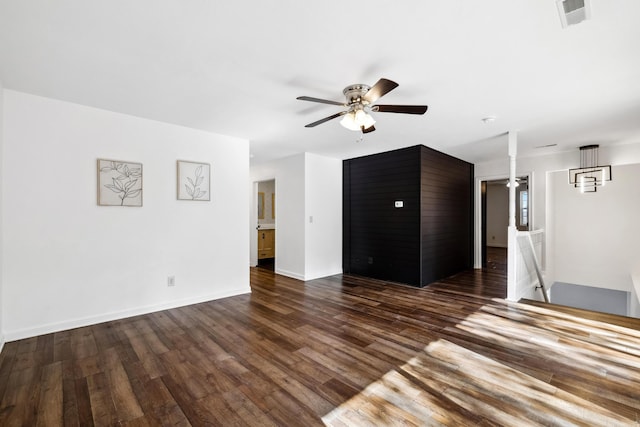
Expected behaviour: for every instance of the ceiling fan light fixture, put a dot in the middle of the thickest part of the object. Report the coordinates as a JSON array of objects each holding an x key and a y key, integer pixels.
[
  {"x": 360, "y": 102},
  {"x": 357, "y": 120},
  {"x": 349, "y": 121},
  {"x": 364, "y": 119}
]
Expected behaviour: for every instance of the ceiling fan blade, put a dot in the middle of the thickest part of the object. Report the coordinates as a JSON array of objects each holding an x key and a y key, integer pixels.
[
  {"x": 326, "y": 119},
  {"x": 381, "y": 88},
  {"x": 406, "y": 109},
  {"x": 322, "y": 101},
  {"x": 369, "y": 129}
]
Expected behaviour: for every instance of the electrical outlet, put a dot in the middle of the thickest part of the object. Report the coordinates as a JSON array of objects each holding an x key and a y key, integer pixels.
[{"x": 171, "y": 281}]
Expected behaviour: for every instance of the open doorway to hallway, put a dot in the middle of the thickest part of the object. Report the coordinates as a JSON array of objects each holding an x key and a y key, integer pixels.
[
  {"x": 495, "y": 219},
  {"x": 266, "y": 224}
]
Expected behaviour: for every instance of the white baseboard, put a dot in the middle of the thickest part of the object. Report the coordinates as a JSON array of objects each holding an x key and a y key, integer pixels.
[
  {"x": 528, "y": 292},
  {"x": 298, "y": 276},
  {"x": 323, "y": 274},
  {"x": 1, "y": 342},
  {"x": 289, "y": 274},
  {"x": 106, "y": 317}
]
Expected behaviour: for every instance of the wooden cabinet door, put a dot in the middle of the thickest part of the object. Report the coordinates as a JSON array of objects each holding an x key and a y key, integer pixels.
[{"x": 266, "y": 243}]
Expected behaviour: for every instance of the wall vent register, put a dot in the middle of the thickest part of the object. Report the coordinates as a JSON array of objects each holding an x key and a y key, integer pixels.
[{"x": 573, "y": 11}]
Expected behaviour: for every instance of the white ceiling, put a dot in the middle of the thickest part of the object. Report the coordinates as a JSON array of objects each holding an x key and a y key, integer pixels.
[{"x": 236, "y": 67}]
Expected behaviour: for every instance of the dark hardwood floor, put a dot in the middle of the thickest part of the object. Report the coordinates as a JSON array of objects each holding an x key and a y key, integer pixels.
[
  {"x": 341, "y": 351},
  {"x": 496, "y": 259}
]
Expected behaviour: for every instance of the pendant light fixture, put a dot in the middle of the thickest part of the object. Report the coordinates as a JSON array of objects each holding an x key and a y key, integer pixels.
[{"x": 589, "y": 176}]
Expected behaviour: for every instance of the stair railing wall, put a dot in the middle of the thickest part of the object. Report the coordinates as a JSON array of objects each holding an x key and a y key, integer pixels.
[
  {"x": 634, "y": 303},
  {"x": 530, "y": 265}
]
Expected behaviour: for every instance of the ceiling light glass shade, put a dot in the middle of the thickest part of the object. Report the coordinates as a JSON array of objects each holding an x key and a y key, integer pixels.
[
  {"x": 349, "y": 121},
  {"x": 364, "y": 120},
  {"x": 357, "y": 120},
  {"x": 509, "y": 183}
]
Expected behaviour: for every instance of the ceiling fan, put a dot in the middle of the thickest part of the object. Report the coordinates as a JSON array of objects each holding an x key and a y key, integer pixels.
[{"x": 361, "y": 102}]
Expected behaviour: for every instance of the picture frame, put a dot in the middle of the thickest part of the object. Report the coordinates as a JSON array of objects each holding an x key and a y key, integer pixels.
[
  {"x": 194, "y": 181},
  {"x": 119, "y": 183}
]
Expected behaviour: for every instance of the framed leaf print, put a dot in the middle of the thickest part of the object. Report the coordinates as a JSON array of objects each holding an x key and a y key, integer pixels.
[
  {"x": 194, "y": 181},
  {"x": 119, "y": 183}
]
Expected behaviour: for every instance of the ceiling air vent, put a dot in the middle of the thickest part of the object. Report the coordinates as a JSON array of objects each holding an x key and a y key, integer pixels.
[{"x": 573, "y": 11}]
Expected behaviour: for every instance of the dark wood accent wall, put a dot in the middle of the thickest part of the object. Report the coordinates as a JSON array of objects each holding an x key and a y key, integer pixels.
[
  {"x": 429, "y": 238},
  {"x": 381, "y": 241},
  {"x": 447, "y": 215}
]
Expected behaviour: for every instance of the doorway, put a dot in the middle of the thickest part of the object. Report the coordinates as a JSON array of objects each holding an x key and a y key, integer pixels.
[
  {"x": 495, "y": 218},
  {"x": 265, "y": 248}
]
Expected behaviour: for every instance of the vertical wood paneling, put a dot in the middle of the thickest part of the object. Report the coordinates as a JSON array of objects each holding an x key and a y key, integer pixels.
[
  {"x": 382, "y": 241},
  {"x": 346, "y": 216},
  {"x": 447, "y": 215},
  {"x": 427, "y": 239}
]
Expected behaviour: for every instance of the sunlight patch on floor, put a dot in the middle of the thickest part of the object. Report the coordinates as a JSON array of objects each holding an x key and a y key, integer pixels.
[{"x": 447, "y": 383}]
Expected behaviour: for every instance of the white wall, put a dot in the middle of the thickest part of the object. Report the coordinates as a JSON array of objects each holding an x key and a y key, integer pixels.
[
  {"x": 289, "y": 175},
  {"x": 597, "y": 238},
  {"x": 1, "y": 220},
  {"x": 69, "y": 262},
  {"x": 306, "y": 185},
  {"x": 323, "y": 213}
]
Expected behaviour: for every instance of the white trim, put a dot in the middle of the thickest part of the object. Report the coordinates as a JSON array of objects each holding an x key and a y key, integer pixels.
[
  {"x": 92, "y": 320},
  {"x": 1, "y": 342},
  {"x": 253, "y": 221},
  {"x": 477, "y": 247},
  {"x": 320, "y": 276},
  {"x": 289, "y": 274},
  {"x": 303, "y": 278}
]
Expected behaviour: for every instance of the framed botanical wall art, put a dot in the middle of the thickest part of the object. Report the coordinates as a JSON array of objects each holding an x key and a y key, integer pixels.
[
  {"x": 194, "y": 181},
  {"x": 119, "y": 183}
]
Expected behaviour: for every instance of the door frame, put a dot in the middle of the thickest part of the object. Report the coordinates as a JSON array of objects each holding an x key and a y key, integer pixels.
[
  {"x": 479, "y": 255},
  {"x": 253, "y": 221}
]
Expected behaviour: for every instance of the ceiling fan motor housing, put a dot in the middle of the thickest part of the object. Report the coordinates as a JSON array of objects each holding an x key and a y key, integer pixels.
[{"x": 355, "y": 93}]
